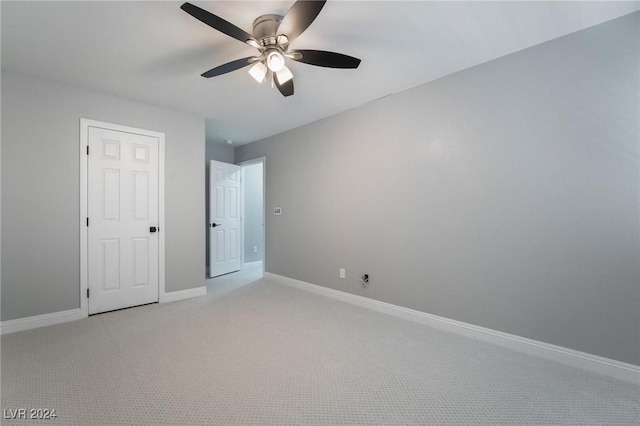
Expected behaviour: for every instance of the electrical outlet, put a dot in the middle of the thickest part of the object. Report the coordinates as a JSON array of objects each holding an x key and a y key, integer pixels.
[
  {"x": 255, "y": 249},
  {"x": 343, "y": 273},
  {"x": 364, "y": 280}
]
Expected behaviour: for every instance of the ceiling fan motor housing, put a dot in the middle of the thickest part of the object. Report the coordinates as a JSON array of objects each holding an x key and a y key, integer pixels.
[{"x": 265, "y": 29}]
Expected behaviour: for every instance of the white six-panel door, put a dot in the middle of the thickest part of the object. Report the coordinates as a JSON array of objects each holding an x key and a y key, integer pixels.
[
  {"x": 225, "y": 229},
  {"x": 123, "y": 207}
]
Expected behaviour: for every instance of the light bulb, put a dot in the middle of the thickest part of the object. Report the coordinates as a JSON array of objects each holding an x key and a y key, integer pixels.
[
  {"x": 258, "y": 71},
  {"x": 275, "y": 61},
  {"x": 284, "y": 75}
]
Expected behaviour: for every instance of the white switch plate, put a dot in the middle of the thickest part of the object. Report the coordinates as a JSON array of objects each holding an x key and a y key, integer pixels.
[
  {"x": 277, "y": 211},
  {"x": 343, "y": 273},
  {"x": 255, "y": 249}
]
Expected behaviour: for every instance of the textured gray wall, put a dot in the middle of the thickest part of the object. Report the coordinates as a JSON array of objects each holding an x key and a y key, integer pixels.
[
  {"x": 217, "y": 152},
  {"x": 252, "y": 179},
  {"x": 40, "y": 190},
  {"x": 505, "y": 195}
]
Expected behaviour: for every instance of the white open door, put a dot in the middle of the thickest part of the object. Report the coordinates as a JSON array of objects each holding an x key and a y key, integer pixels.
[
  {"x": 123, "y": 211},
  {"x": 225, "y": 229}
]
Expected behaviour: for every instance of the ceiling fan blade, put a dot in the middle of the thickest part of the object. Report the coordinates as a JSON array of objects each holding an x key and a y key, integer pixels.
[
  {"x": 322, "y": 58},
  {"x": 299, "y": 17},
  {"x": 230, "y": 66},
  {"x": 286, "y": 88},
  {"x": 219, "y": 24}
]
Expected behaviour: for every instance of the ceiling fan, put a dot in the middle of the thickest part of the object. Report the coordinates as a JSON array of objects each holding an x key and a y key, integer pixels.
[{"x": 272, "y": 35}]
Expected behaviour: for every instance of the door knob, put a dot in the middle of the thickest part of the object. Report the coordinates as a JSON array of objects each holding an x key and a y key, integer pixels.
[
  {"x": 213, "y": 225},
  {"x": 152, "y": 229}
]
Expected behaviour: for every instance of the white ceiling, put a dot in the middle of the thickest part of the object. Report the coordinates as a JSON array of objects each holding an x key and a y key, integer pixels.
[{"x": 154, "y": 52}]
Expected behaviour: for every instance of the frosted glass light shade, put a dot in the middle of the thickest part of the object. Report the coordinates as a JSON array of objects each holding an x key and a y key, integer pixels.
[
  {"x": 258, "y": 71},
  {"x": 275, "y": 61},
  {"x": 284, "y": 75}
]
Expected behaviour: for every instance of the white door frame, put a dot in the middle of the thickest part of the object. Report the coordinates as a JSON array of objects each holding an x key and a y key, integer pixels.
[
  {"x": 84, "y": 143},
  {"x": 263, "y": 161}
]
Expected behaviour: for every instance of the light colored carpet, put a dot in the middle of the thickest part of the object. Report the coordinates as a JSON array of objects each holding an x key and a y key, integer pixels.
[{"x": 266, "y": 354}]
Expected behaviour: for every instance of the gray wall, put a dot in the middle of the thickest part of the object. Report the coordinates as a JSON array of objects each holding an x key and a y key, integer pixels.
[
  {"x": 217, "y": 152},
  {"x": 253, "y": 193},
  {"x": 40, "y": 190},
  {"x": 505, "y": 195}
]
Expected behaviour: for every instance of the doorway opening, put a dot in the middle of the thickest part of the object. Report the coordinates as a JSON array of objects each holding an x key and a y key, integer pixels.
[{"x": 252, "y": 243}]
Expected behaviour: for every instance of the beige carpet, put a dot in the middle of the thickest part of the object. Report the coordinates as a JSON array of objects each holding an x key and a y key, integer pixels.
[{"x": 265, "y": 354}]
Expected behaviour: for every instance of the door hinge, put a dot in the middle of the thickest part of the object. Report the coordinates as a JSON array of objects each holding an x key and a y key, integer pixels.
[
  {"x": 87, "y": 221},
  {"x": 87, "y": 293},
  {"x": 87, "y": 149}
]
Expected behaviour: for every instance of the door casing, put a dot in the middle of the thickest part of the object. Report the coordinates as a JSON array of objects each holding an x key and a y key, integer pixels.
[{"x": 85, "y": 124}]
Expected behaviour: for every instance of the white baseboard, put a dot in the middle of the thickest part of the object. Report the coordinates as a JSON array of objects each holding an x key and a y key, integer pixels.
[
  {"x": 44, "y": 320},
  {"x": 183, "y": 294},
  {"x": 37, "y": 321},
  {"x": 596, "y": 364}
]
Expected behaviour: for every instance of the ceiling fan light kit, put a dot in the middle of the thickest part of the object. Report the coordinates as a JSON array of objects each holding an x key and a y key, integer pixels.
[{"x": 272, "y": 35}]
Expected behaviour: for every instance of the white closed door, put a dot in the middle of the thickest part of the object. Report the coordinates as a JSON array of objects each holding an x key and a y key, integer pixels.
[
  {"x": 225, "y": 229},
  {"x": 123, "y": 209}
]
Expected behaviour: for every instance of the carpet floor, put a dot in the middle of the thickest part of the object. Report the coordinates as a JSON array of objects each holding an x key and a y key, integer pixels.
[{"x": 266, "y": 354}]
